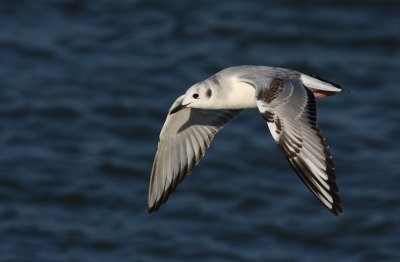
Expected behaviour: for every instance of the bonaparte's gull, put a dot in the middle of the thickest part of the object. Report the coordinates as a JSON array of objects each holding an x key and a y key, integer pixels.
[{"x": 286, "y": 101}]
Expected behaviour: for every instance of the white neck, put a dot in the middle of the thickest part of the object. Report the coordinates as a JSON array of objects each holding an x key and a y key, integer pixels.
[{"x": 240, "y": 95}]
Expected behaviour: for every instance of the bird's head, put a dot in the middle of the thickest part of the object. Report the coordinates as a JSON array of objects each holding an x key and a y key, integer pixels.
[{"x": 197, "y": 96}]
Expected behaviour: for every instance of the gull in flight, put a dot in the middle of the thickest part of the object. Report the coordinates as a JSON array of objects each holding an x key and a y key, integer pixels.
[{"x": 286, "y": 101}]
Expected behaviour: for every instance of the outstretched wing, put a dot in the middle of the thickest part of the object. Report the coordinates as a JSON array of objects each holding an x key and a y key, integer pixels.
[
  {"x": 290, "y": 111},
  {"x": 184, "y": 139}
]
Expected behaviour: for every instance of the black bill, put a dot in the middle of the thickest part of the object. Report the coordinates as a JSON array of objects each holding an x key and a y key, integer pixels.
[{"x": 177, "y": 108}]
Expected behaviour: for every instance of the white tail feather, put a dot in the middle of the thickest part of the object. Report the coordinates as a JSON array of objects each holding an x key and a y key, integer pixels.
[{"x": 319, "y": 84}]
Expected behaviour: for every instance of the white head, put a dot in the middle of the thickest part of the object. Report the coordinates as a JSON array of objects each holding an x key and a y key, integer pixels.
[{"x": 197, "y": 96}]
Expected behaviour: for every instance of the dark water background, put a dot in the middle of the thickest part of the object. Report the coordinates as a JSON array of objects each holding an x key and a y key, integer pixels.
[{"x": 84, "y": 90}]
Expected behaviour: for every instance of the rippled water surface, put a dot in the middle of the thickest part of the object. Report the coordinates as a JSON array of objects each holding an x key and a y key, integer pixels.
[{"x": 84, "y": 90}]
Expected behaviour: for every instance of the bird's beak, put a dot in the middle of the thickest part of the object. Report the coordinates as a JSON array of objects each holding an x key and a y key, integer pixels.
[{"x": 178, "y": 108}]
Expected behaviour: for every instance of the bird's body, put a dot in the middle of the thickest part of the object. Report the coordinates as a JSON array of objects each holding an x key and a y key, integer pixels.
[{"x": 285, "y": 99}]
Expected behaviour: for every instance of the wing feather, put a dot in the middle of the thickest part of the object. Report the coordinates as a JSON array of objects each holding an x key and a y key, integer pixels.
[
  {"x": 290, "y": 111},
  {"x": 184, "y": 139}
]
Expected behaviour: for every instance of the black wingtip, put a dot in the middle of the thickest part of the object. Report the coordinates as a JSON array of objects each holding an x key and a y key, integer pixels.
[
  {"x": 153, "y": 208},
  {"x": 336, "y": 210}
]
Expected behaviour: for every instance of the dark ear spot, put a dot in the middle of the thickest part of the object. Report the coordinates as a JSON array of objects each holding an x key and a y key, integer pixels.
[{"x": 209, "y": 93}]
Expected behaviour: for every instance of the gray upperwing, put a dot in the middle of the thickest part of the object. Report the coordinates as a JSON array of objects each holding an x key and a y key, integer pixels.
[
  {"x": 184, "y": 139},
  {"x": 290, "y": 111}
]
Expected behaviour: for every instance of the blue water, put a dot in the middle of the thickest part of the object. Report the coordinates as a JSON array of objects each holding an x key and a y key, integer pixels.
[{"x": 84, "y": 90}]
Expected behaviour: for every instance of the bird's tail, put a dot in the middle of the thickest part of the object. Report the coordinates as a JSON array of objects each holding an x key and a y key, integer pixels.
[{"x": 321, "y": 87}]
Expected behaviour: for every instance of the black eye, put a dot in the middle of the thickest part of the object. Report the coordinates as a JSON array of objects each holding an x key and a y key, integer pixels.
[{"x": 195, "y": 95}]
